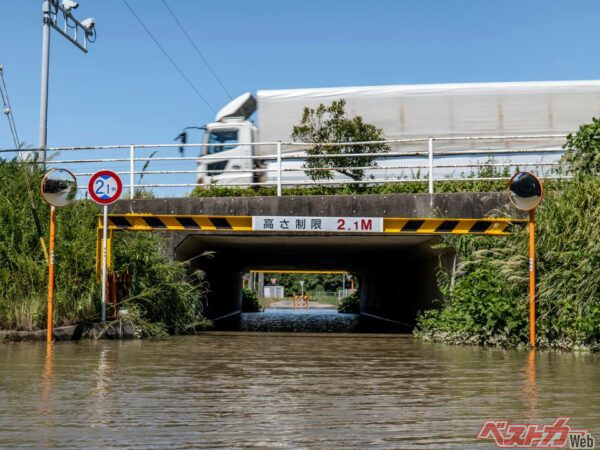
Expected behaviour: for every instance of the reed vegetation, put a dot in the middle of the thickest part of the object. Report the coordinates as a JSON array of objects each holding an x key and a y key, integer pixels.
[
  {"x": 486, "y": 300},
  {"x": 163, "y": 292}
]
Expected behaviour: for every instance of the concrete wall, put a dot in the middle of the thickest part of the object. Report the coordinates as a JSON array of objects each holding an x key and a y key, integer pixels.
[{"x": 464, "y": 205}]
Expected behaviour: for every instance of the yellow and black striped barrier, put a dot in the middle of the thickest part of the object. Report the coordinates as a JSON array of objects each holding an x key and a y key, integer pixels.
[
  {"x": 157, "y": 222},
  {"x": 493, "y": 227}
]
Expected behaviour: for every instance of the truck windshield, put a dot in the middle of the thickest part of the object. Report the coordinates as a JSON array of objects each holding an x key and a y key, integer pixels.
[{"x": 222, "y": 137}]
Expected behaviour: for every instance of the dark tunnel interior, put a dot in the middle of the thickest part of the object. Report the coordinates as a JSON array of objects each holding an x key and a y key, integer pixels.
[{"x": 397, "y": 274}]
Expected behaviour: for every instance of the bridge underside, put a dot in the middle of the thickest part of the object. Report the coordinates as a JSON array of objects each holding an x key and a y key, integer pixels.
[{"x": 397, "y": 273}]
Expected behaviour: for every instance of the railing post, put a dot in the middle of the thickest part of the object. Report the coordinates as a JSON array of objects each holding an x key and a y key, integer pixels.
[
  {"x": 131, "y": 171},
  {"x": 278, "y": 168},
  {"x": 431, "y": 165}
]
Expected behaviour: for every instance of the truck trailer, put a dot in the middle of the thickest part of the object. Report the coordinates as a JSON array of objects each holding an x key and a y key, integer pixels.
[{"x": 461, "y": 116}]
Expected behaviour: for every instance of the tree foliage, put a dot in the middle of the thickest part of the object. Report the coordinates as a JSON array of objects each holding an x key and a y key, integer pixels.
[
  {"x": 329, "y": 124},
  {"x": 312, "y": 282},
  {"x": 583, "y": 149}
]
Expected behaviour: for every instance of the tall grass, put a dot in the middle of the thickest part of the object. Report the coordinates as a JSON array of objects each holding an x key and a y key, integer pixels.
[
  {"x": 162, "y": 292},
  {"x": 488, "y": 301}
]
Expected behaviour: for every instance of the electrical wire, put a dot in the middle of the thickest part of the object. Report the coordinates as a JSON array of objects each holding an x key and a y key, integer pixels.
[
  {"x": 13, "y": 129},
  {"x": 183, "y": 75},
  {"x": 7, "y": 109},
  {"x": 181, "y": 27}
]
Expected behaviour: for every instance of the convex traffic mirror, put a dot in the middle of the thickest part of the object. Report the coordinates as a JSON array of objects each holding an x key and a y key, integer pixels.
[
  {"x": 525, "y": 191},
  {"x": 59, "y": 187}
]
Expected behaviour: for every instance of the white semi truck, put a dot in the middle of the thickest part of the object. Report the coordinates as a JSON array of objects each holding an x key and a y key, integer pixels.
[{"x": 486, "y": 112}]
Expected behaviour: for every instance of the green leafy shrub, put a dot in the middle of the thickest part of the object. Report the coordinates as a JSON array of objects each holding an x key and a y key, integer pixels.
[
  {"x": 250, "y": 301},
  {"x": 350, "y": 304},
  {"x": 583, "y": 149},
  {"x": 483, "y": 310},
  {"x": 161, "y": 289}
]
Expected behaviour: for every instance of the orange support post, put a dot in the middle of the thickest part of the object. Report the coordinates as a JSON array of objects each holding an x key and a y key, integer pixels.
[
  {"x": 532, "y": 277},
  {"x": 51, "y": 274}
]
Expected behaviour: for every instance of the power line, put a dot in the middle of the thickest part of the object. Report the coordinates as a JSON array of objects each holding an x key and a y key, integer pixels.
[
  {"x": 169, "y": 57},
  {"x": 7, "y": 109},
  {"x": 196, "y": 48},
  {"x": 27, "y": 175}
]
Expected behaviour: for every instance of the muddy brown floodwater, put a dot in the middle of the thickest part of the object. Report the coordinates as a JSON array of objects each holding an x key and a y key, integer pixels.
[{"x": 234, "y": 390}]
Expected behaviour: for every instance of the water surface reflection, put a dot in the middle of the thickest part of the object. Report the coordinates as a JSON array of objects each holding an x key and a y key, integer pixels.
[{"x": 237, "y": 390}]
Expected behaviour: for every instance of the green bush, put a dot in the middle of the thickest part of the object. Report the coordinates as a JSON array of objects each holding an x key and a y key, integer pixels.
[
  {"x": 483, "y": 310},
  {"x": 582, "y": 154},
  {"x": 161, "y": 289},
  {"x": 350, "y": 304},
  {"x": 250, "y": 301}
]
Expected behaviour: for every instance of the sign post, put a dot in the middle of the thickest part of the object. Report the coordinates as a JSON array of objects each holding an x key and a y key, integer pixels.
[
  {"x": 59, "y": 188},
  {"x": 105, "y": 187},
  {"x": 525, "y": 192}
]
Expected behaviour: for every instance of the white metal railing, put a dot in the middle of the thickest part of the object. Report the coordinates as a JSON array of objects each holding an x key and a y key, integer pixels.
[{"x": 440, "y": 158}]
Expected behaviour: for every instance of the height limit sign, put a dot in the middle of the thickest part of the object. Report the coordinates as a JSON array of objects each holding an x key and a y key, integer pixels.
[{"x": 105, "y": 187}]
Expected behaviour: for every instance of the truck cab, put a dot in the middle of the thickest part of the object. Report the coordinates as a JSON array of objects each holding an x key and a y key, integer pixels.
[{"x": 227, "y": 139}]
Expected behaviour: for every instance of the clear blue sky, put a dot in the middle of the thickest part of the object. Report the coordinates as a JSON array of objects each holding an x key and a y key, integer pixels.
[{"x": 124, "y": 90}]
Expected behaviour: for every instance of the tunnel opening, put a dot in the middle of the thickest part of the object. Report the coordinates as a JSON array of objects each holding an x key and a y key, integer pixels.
[
  {"x": 395, "y": 275},
  {"x": 300, "y": 301}
]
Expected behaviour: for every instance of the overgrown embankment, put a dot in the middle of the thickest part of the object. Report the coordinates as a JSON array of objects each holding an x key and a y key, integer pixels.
[
  {"x": 486, "y": 301},
  {"x": 163, "y": 296}
]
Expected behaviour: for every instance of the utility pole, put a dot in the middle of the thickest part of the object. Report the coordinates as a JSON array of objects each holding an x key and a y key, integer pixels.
[
  {"x": 44, "y": 86},
  {"x": 59, "y": 17}
]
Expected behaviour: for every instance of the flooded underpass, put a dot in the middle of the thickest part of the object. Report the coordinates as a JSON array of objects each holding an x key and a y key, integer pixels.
[
  {"x": 283, "y": 390},
  {"x": 314, "y": 320}
]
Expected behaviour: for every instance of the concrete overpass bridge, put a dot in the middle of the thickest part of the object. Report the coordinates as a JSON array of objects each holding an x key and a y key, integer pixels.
[{"x": 385, "y": 239}]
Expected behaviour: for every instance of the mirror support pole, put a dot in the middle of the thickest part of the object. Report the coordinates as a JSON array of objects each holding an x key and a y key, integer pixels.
[
  {"x": 532, "y": 278},
  {"x": 51, "y": 275}
]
